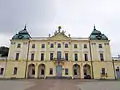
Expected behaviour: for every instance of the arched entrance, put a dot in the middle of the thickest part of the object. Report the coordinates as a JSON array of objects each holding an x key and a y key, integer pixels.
[
  {"x": 59, "y": 71},
  {"x": 76, "y": 71},
  {"x": 87, "y": 71},
  {"x": 41, "y": 71},
  {"x": 31, "y": 71}
]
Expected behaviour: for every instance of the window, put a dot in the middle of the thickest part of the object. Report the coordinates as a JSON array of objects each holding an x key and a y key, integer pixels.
[
  {"x": 1, "y": 71},
  {"x": 86, "y": 57},
  {"x": 103, "y": 71},
  {"x": 100, "y": 45},
  {"x": 101, "y": 57},
  {"x": 19, "y": 45},
  {"x": 51, "y": 56},
  {"x": 33, "y": 71},
  {"x": 15, "y": 71},
  {"x": 85, "y": 45},
  {"x": 51, "y": 45},
  {"x": 66, "y": 71},
  {"x": 75, "y": 71},
  {"x": 66, "y": 45},
  {"x": 117, "y": 69},
  {"x": 32, "y": 57},
  {"x": 42, "y": 56},
  {"x": 75, "y": 45},
  {"x": 66, "y": 56},
  {"x": 33, "y": 45},
  {"x": 59, "y": 45},
  {"x": 76, "y": 57},
  {"x": 43, "y": 46},
  {"x": 51, "y": 71},
  {"x": 17, "y": 56}
]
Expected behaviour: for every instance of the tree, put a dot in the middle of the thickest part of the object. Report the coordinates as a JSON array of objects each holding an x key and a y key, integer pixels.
[{"x": 4, "y": 51}]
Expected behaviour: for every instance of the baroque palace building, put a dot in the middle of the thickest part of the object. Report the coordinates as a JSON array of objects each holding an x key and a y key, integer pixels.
[{"x": 59, "y": 56}]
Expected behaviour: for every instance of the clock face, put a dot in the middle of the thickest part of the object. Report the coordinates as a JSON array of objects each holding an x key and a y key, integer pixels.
[{"x": 20, "y": 36}]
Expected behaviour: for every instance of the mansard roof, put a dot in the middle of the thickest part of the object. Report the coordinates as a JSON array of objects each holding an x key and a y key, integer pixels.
[
  {"x": 23, "y": 34},
  {"x": 97, "y": 35}
]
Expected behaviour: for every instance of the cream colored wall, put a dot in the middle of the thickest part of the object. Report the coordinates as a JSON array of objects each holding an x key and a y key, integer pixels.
[
  {"x": 97, "y": 67},
  {"x": 10, "y": 67},
  {"x": 3, "y": 65}
]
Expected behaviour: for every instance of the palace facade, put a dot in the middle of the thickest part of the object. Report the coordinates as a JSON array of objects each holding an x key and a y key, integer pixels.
[{"x": 59, "y": 56}]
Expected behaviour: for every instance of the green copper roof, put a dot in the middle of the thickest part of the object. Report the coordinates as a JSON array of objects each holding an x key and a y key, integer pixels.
[
  {"x": 23, "y": 34},
  {"x": 97, "y": 35}
]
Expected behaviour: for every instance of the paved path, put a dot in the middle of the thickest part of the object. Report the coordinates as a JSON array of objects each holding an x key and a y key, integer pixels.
[{"x": 57, "y": 84}]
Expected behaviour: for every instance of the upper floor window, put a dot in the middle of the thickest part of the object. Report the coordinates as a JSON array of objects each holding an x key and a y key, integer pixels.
[
  {"x": 66, "y": 45},
  {"x": 59, "y": 45},
  {"x": 1, "y": 71},
  {"x": 51, "y": 45},
  {"x": 32, "y": 57},
  {"x": 17, "y": 56},
  {"x": 100, "y": 45},
  {"x": 86, "y": 57},
  {"x": 66, "y": 56},
  {"x": 76, "y": 56},
  {"x": 42, "y": 56},
  {"x": 85, "y": 45},
  {"x": 15, "y": 71},
  {"x": 51, "y": 71},
  {"x": 19, "y": 45},
  {"x": 51, "y": 56},
  {"x": 66, "y": 71},
  {"x": 101, "y": 57},
  {"x": 33, "y": 45},
  {"x": 43, "y": 46},
  {"x": 75, "y": 45}
]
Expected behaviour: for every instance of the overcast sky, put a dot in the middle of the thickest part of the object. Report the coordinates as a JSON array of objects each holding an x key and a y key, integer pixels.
[{"x": 76, "y": 17}]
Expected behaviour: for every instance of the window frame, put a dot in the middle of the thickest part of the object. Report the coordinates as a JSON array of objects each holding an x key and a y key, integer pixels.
[
  {"x": 59, "y": 45},
  {"x": 42, "y": 45},
  {"x": 15, "y": 71},
  {"x": 66, "y": 71},
  {"x": 85, "y": 46},
  {"x": 76, "y": 57},
  {"x": 18, "y": 45},
  {"x": 17, "y": 56},
  {"x": 100, "y": 46},
  {"x": 75, "y": 45},
  {"x": 101, "y": 57},
  {"x": 32, "y": 56},
  {"x": 66, "y": 45},
  {"x": 51, "y": 71},
  {"x": 42, "y": 57}
]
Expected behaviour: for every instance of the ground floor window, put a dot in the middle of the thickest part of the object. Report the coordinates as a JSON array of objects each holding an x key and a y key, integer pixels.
[
  {"x": 66, "y": 71},
  {"x": 51, "y": 71},
  {"x": 1, "y": 71},
  {"x": 15, "y": 71}
]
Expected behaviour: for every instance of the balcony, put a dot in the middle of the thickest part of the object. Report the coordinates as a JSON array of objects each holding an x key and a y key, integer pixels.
[{"x": 59, "y": 60}]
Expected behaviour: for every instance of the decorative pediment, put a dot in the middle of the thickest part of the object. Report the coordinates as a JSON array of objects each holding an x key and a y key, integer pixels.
[{"x": 59, "y": 35}]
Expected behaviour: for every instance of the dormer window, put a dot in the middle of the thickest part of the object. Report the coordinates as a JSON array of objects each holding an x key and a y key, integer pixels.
[
  {"x": 19, "y": 45},
  {"x": 59, "y": 45}
]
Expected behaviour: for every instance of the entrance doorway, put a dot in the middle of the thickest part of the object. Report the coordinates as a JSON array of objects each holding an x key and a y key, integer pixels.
[{"x": 59, "y": 71}]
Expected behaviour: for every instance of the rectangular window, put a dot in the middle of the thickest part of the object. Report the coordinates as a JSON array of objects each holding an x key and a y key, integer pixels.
[
  {"x": 42, "y": 56},
  {"x": 59, "y": 45},
  {"x": 43, "y": 46},
  {"x": 51, "y": 45},
  {"x": 86, "y": 57},
  {"x": 1, "y": 71},
  {"x": 66, "y": 71},
  {"x": 15, "y": 71},
  {"x": 66, "y": 56},
  {"x": 51, "y": 56},
  {"x": 17, "y": 56},
  {"x": 75, "y": 45},
  {"x": 19, "y": 45},
  {"x": 103, "y": 71},
  {"x": 66, "y": 45},
  {"x": 51, "y": 71},
  {"x": 85, "y": 45},
  {"x": 76, "y": 57},
  {"x": 100, "y": 45},
  {"x": 32, "y": 57},
  {"x": 101, "y": 57},
  {"x": 33, "y": 45}
]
